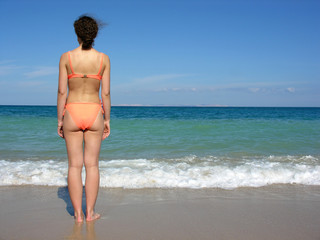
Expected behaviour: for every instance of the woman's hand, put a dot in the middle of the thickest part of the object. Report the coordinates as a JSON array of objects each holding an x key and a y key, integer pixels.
[
  {"x": 106, "y": 130},
  {"x": 60, "y": 129}
]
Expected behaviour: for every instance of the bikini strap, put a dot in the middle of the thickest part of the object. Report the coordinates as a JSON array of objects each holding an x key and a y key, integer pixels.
[
  {"x": 70, "y": 62},
  {"x": 100, "y": 64}
]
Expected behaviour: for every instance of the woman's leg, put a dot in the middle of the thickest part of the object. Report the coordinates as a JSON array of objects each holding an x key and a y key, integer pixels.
[
  {"x": 92, "y": 143},
  {"x": 74, "y": 142}
]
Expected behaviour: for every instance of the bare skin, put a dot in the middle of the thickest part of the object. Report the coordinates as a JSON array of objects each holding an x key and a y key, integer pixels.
[{"x": 83, "y": 147}]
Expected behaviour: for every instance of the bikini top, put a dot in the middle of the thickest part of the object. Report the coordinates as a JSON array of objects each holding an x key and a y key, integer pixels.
[{"x": 73, "y": 75}]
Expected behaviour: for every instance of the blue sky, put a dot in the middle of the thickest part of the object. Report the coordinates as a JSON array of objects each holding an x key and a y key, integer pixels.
[{"x": 229, "y": 53}]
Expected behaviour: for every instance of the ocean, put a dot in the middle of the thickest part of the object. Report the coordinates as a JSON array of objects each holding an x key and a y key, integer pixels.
[{"x": 170, "y": 147}]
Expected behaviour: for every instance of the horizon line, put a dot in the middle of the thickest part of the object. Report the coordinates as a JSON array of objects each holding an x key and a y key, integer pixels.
[{"x": 168, "y": 105}]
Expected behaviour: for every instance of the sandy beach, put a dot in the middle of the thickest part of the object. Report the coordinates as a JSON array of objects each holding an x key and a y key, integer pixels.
[{"x": 273, "y": 212}]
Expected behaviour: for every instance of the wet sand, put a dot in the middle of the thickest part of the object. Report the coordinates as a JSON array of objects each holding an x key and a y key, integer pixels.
[{"x": 273, "y": 212}]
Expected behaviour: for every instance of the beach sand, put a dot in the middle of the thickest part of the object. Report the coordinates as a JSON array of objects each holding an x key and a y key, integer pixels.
[{"x": 273, "y": 212}]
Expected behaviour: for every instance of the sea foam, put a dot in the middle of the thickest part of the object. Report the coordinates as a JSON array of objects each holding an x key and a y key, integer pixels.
[{"x": 186, "y": 172}]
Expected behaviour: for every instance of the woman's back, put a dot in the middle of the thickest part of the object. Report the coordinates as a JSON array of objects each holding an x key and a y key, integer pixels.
[
  {"x": 82, "y": 120},
  {"x": 84, "y": 69}
]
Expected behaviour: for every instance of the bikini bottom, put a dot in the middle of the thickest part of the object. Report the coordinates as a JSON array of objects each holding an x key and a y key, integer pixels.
[{"x": 83, "y": 114}]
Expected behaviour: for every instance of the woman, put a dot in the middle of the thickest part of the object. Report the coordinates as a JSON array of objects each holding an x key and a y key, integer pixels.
[{"x": 80, "y": 114}]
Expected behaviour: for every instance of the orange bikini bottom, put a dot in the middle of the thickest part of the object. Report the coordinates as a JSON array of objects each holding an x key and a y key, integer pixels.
[{"x": 83, "y": 114}]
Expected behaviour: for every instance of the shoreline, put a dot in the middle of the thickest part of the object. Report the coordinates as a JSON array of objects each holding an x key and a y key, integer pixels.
[
  {"x": 270, "y": 212},
  {"x": 168, "y": 106}
]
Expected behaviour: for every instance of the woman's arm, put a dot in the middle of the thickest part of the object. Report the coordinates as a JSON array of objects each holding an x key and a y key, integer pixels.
[
  {"x": 62, "y": 92},
  {"x": 105, "y": 95}
]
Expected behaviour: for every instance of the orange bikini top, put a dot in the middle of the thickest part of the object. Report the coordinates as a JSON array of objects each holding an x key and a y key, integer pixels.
[{"x": 73, "y": 75}]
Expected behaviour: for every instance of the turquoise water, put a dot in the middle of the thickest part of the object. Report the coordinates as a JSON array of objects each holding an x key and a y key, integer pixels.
[{"x": 145, "y": 138}]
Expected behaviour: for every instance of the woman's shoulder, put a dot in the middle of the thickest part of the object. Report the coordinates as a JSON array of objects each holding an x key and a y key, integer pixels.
[
  {"x": 64, "y": 57},
  {"x": 104, "y": 55}
]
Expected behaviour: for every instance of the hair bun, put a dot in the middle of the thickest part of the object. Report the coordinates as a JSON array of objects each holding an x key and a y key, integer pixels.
[{"x": 87, "y": 43}]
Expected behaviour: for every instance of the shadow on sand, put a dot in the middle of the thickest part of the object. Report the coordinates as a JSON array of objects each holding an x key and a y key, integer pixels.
[
  {"x": 63, "y": 193},
  {"x": 77, "y": 230}
]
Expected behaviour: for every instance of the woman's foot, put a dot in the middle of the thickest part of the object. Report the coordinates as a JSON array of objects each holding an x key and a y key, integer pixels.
[
  {"x": 93, "y": 216},
  {"x": 78, "y": 218}
]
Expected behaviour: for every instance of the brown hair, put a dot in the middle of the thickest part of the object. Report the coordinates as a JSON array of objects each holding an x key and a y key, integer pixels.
[{"x": 86, "y": 29}]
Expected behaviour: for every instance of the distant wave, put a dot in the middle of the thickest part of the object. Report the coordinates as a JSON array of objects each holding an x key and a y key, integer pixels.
[{"x": 187, "y": 172}]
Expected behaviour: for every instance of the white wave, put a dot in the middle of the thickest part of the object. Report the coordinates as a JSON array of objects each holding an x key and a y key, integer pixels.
[
  {"x": 188, "y": 172},
  {"x": 51, "y": 173}
]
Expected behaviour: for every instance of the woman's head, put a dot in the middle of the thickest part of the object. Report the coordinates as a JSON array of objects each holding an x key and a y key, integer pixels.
[{"x": 86, "y": 29}]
